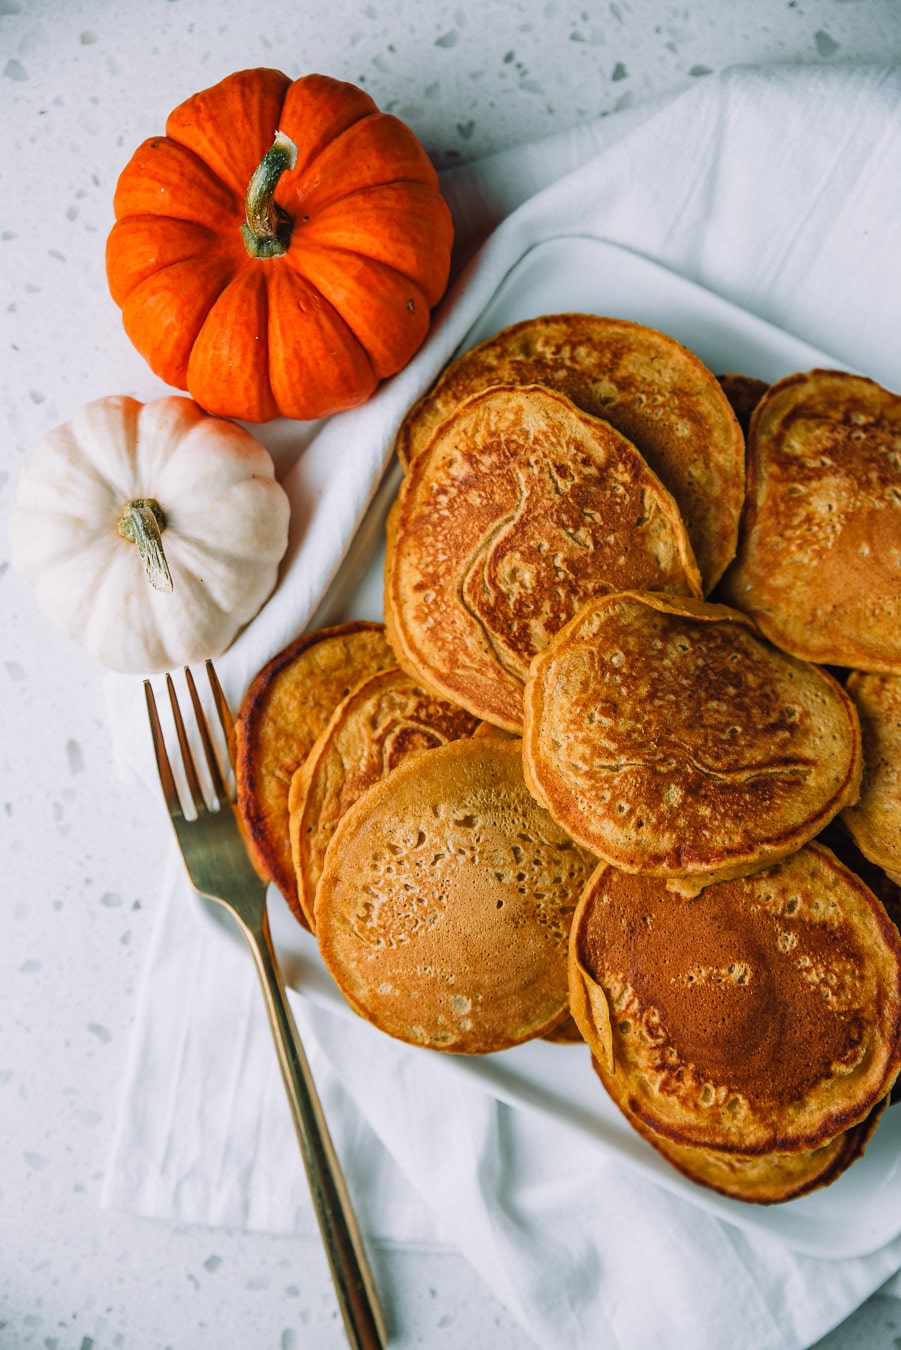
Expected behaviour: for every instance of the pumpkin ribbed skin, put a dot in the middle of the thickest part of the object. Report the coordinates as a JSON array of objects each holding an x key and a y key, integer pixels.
[
  {"x": 222, "y": 530},
  {"x": 314, "y": 330}
]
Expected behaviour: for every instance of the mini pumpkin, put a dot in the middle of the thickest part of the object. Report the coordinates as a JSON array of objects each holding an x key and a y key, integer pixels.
[
  {"x": 278, "y": 251},
  {"x": 151, "y": 533}
]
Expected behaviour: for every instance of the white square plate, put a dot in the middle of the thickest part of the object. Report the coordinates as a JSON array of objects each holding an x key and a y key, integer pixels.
[{"x": 862, "y": 1210}]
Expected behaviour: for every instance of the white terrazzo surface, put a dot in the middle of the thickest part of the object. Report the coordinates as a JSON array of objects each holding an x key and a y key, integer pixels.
[{"x": 81, "y": 83}]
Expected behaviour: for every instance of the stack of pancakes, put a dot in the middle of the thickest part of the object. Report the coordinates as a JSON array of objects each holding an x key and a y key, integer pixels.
[
  {"x": 575, "y": 786},
  {"x": 441, "y": 893}
]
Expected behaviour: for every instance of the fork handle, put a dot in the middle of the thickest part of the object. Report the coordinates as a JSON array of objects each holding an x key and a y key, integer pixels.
[{"x": 354, "y": 1285}]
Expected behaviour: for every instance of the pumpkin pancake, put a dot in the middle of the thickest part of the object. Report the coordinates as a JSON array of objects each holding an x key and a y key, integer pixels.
[
  {"x": 762, "y": 1016},
  {"x": 744, "y": 392},
  {"x": 521, "y": 509},
  {"x": 819, "y": 555},
  {"x": 667, "y": 736},
  {"x": 647, "y": 385},
  {"x": 445, "y": 901},
  {"x": 386, "y": 719},
  {"x": 768, "y": 1178},
  {"x": 286, "y": 707},
  {"x": 875, "y": 819}
]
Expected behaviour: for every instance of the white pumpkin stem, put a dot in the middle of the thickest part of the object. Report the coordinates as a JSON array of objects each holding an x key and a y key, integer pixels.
[
  {"x": 142, "y": 523},
  {"x": 267, "y": 227}
]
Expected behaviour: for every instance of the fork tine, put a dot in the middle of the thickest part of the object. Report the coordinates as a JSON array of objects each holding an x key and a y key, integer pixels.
[
  {"x": 212, "y": 761},
  {"x": 226, "y": 721},
  {"x": 167, "y": 779},
  {"x": 193, "y": 781}
]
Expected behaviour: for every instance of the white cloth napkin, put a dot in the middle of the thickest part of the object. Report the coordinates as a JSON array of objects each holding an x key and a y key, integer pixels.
[{"x": 779, "y": 189}]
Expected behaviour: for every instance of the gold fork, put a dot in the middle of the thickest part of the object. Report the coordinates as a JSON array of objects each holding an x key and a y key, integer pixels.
[{"x": 219, "y": 868}]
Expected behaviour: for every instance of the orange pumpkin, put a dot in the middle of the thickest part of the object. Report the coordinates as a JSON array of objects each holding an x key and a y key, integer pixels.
[{"x": 278, "y": 251}]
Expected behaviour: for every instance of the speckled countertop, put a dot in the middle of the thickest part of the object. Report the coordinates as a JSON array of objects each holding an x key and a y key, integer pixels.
[{"x": 81, "y": 83}]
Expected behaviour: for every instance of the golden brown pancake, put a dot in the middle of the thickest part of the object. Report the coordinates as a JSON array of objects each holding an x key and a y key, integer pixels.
[
  {"x": 667, "y": 736},
  {"x": 764, "y": 1015},
  {"x": 744, "y": 392},
  {"x": 819, "y": 556},
  {"x": 768, "y": 1178},
  {"x": 386, "y": 719},
  {"x": 286, "y": 707},
  {"x": 647, "y": 385},
  {"x": 875, "y": 819},
  {"x": 521, "y": 509},
  {"x": 445, "y": 901}
]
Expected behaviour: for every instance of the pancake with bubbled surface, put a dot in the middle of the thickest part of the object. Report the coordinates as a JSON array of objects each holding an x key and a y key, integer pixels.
[
  {"x": 444, "y": 905},
  {"x": 645, "y": 383},
  {"x": 521, "y": 509},
  {"x": 763, "y": 1015},
  {"x": 286, "y": 707},
  {"x": 386, "y": 719},
  {"x": 765, "y": 1179},
  {"x": 874, "y": 820},
  {"x": 667, "y": 736},
  {"x": 819, "y": 556}
]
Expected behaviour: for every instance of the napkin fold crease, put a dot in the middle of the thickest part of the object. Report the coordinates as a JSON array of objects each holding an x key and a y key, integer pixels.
[{"x": 780, "y": 190}]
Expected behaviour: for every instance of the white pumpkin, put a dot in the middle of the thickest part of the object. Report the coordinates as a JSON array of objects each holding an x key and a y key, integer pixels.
[{"x": 151, "y": 533}]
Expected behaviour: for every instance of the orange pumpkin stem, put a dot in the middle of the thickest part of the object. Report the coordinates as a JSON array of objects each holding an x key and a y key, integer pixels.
[
  {"x": 142, "y": 523},
  {"x": 267, "y": 226}
]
